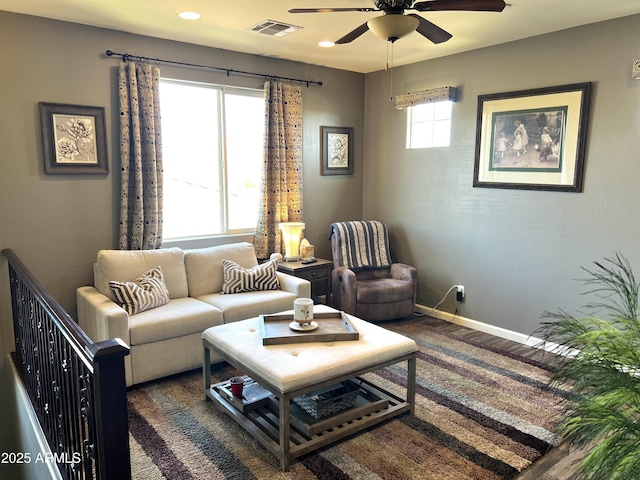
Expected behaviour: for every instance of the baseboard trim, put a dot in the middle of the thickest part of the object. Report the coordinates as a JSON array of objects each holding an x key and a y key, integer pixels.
[{"x": 491, "y": 329}]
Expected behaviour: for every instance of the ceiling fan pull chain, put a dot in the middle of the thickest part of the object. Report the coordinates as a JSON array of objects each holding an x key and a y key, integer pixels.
[
  {"x": 390, "y": 71},
  {"x": 386, "y": 65}
]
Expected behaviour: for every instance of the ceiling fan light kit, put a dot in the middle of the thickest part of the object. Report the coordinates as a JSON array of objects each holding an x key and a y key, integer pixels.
[
  {"x": 393, "y": 26},
  {"x": 394, "y": 23}
]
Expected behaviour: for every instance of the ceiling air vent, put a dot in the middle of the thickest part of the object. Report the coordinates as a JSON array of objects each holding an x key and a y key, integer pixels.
[{"x": 273, "y": 28}]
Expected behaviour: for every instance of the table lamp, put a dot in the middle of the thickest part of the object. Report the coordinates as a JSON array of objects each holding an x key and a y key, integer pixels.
[{"x": 291, "y": 234}]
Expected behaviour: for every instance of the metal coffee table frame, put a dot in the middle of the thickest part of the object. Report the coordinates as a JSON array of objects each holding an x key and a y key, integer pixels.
[{"x": 286, "y": 435}]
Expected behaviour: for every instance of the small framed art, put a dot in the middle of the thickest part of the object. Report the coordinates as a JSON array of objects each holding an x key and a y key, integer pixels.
[
  {"x": 337, "y": 150},
  {"x": 73, "y": 138},
  {"x": 532, "y": 139}
]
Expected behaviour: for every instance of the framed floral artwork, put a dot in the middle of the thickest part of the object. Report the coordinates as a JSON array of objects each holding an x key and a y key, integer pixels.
[
  {"x": 73, "y": 139},
  {"x": 532, "y": 139},
  {"x": 337, "y": 150}
]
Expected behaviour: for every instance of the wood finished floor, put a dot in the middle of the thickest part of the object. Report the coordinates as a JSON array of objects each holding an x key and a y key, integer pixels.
[{"x": 561, "y": 462}]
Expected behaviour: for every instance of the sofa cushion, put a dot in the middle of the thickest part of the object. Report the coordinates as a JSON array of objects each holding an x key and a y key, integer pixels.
[
  {"x": 144, "y": 293},
  {"x": 260, "y": 277},
  {"x": 127, "y": 265},
  {"x": 204, "y": 266},
  {"x": 179, "y": 317},
  {"x": 240, "y": 306}
]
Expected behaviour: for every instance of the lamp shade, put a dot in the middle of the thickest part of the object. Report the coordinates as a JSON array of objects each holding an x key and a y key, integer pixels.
[
  {"x": 393, "y": 26},
  {"x": 291, "y": 235}
]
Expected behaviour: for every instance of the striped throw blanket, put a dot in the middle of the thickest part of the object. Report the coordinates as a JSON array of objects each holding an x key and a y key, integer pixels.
[{"x": 361, "y": 245}]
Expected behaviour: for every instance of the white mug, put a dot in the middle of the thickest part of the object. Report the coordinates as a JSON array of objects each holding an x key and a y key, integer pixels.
[{"x": 303, "y": 310}]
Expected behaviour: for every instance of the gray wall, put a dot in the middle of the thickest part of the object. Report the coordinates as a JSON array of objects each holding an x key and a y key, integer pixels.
[
  {"x": 517, "y": 252},
  {"x": 57, "y": 223}
]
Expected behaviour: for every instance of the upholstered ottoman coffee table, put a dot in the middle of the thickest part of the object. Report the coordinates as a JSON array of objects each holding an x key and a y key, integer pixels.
[{"x": 291, "y": 370}]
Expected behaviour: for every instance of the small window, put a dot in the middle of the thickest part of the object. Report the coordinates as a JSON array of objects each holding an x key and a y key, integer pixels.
[{"x": 429, "y": 125}]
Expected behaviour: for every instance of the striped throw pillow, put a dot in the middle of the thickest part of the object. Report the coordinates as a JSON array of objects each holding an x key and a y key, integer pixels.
[
  {"x": 260, "y": 277},
  {"x": 144, "y": 293}
]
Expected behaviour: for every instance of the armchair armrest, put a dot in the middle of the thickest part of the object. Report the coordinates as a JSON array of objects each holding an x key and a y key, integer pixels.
[
  {"x": 299, "y": 286},
  {"x": 408, "y": 273},
  {"x": 402, "y": 271},
  {"x": 100, "y": 317},
  {"x": 343, "y": 283}
]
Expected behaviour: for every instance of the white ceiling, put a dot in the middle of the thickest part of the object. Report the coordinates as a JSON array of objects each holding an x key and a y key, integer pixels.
[{"x": 226, "y": 24}]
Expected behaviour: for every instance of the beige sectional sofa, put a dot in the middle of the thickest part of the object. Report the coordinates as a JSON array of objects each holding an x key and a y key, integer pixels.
[{"x": 167, "y": 339}]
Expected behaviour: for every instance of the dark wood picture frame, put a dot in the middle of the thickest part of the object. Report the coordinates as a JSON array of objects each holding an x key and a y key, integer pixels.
[
  {"x": 337, "y": 150},
  {"x": 532, "y": 139},
  {"x": 73, "y": 139}
]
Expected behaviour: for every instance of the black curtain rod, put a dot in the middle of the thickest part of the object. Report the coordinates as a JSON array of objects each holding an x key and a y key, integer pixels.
[{"x": 229, "y": 71}]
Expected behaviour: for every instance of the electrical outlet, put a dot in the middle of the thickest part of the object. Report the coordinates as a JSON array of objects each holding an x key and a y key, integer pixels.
[{"x": 460, "y": 293}]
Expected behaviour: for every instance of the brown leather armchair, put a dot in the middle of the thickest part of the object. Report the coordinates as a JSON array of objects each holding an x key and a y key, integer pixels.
[{"x": 365, "y": 282}]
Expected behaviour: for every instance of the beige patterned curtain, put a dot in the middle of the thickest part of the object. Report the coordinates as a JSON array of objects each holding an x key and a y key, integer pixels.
[
  {"x": 140, "y": 156},
  {"x": 281, "y": 187}
]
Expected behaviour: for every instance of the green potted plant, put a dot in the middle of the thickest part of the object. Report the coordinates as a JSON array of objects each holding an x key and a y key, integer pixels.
[{"x": 600, "y": 367}]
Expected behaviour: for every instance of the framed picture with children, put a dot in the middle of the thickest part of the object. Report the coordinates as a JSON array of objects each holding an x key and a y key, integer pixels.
[{"x": 532, "y": 139}]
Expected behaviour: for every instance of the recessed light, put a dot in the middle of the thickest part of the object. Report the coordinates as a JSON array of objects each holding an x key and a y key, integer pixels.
[
  {"x": 189, "y": 15},
  {"x": 326, "y": 43}
]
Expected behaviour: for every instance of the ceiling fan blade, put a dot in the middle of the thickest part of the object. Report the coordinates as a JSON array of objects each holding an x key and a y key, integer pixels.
[
  {"x": 431, "y": 30},
  {"x": 329, "y": 10},
  {"x": 353, "y": 34},
  {"x": 469, "y": 5}
]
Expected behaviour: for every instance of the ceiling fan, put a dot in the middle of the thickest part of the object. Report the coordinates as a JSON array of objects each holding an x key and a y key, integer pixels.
[{"x": 394, "y": 24}]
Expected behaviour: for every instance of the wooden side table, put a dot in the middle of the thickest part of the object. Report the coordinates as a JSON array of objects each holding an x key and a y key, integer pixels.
[{"x": 318, "y": 273}]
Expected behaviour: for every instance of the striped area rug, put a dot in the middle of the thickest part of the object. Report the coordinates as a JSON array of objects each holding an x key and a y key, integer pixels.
[{"x": 481, "y": 413}]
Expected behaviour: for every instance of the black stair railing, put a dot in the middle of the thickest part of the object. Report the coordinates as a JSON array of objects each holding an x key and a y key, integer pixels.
[{"x": 77, "y": 387}]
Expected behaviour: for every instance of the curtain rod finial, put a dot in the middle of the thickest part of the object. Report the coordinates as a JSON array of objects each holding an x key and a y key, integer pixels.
[{"x": 109, "y": 53}]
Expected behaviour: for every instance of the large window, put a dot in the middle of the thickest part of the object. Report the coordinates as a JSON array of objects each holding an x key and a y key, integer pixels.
[
  {"x": 429, "y": 125},
  {"x": 212, "y": 142}
]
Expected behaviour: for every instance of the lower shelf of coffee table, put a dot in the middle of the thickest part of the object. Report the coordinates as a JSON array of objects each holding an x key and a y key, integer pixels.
[
  {"x": 253, "y": 395},
  {"x": 372, "y": 406}
]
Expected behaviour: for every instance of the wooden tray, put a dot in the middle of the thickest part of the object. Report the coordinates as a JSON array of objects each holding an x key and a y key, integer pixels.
[{"x": 332, "y": 327}]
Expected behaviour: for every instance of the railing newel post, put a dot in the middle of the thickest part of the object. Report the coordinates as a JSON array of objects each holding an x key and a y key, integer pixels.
[{"x": 112, "y": 428}]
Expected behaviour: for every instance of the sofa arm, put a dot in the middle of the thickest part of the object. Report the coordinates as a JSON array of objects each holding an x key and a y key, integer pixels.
[
  {"x": 343, "y": 283},
  {"x": 100, "y": 317},
  {"x": 299, "y": 286}
]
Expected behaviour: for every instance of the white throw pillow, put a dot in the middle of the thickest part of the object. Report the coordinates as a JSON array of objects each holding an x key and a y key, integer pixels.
[
  {"x": 260, "y": 277},
  {"x": 144, "y": 293}
]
